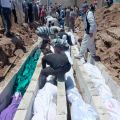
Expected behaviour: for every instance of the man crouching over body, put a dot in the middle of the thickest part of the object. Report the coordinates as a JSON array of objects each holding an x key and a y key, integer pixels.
[{"x": 58, "y": 64}]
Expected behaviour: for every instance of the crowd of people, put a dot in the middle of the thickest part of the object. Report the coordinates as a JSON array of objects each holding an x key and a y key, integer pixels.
[
  {"x": 64, "y": 17},
  {"x": 56, "y": 41},
  {"x": 34, "y": 11},
  {"x": 48, "y": 17}
]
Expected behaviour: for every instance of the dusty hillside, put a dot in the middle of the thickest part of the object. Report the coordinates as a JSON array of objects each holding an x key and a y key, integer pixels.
[
  {"x": 19, "y": 44},
  {"x": 108, "y": 38}
]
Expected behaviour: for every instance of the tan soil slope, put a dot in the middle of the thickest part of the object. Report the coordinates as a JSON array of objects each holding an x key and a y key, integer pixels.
[{"x": 10, "y": 47}]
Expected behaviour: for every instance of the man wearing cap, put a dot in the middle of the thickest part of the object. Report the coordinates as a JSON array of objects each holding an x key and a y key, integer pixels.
[
  {"x": 89, "y": 34},
  {"x": 58, "y": 64}
]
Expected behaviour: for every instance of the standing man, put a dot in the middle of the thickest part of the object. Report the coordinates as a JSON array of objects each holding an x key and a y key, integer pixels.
[
  {"x": 62, "y": 17},
  {"x": 43, "y": 14},
  {"x": 89, "y": 33},
  {"x": 72, "y": 19},
  {"x": 35, "y": 11},
  {"x": 30, "y": 11},
  {"x": 25, "y": 10},
  {"x": 6, "y": 16},
  {"x": 14, "y": 11},
  {"x": 67, "y": 16}
]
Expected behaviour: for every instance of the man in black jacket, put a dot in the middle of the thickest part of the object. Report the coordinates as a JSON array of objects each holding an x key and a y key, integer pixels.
[{"x": 58, "y": 64}]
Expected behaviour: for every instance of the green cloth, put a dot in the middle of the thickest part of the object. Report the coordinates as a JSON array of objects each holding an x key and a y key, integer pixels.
[{"x": 23, "y": 79}]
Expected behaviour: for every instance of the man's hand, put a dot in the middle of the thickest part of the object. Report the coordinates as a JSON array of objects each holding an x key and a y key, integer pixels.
[{"x": 91, "y": 34}]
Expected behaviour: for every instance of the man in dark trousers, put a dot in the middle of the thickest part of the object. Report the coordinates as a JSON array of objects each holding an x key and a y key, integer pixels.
[
  {"x": 58, "y": 64},
  {"x": 90, "y": 28},
  {"x": 67, "y": 16},
  {"x": 25, "y": 10},
  {"x": 72, "y": 19},
  {"x": 30, "y": 12},
  {"x": 6, "y": 16},
  {"x": 14, "y": 12}
]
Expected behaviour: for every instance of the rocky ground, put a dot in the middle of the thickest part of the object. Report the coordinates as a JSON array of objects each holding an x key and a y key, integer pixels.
[
  {"x": 107, "y": 38},
  {"x": 18, "y": 45}
]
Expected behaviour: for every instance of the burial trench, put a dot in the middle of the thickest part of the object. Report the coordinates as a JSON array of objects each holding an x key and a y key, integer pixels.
[{"x": 88, "y": 91}]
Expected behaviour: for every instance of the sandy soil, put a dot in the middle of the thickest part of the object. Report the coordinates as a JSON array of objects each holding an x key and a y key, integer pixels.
[{"x": 107, "y": 38}]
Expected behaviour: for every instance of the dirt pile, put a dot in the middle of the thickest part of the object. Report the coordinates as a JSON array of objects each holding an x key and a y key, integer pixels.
[
  {"x": 17, "y": 45},
  {"x": 108, "y": 39}
]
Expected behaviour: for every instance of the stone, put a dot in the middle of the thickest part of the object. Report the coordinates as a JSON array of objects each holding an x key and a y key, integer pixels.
[{"x": 20, "y": 115}]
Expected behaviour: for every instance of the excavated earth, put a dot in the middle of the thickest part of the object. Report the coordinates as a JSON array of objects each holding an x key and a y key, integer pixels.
[
  {"x": 18, "y": 45},
  {"x": 107, "y": 38}
]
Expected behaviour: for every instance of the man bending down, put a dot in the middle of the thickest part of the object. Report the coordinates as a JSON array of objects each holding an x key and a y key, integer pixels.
[{"x": 58, "y": 64}]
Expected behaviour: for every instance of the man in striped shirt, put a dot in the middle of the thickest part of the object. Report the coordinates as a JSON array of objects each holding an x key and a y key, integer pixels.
[{"x": 45, "y": 31}]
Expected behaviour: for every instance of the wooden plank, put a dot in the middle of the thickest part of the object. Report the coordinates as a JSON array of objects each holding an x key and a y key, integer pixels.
[{"x": 61, "y": 100}]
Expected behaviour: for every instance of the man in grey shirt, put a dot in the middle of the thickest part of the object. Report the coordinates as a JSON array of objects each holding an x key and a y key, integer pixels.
[{"x": 89, "y": 34}]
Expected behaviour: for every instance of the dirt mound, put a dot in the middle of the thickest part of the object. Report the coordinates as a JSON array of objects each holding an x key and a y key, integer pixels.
[
  {"x": 108, "y": 38},
  {"x": 17, "y": 45}
]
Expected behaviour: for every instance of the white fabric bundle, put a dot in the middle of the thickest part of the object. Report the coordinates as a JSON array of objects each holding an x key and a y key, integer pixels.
[
  {"x": 79, "y": 109},
  {"x": 64, "y": 37},
  {"x": 112, "y": 105},
  {"x": 45, "y": 103},
  {"x": 69, "y": 76},
  {"x": 53, "y": 20},
  {"x": 69, "y": 79},
  {"x": 69, "y": 56},
  {"x": 54, "y": 28}
]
